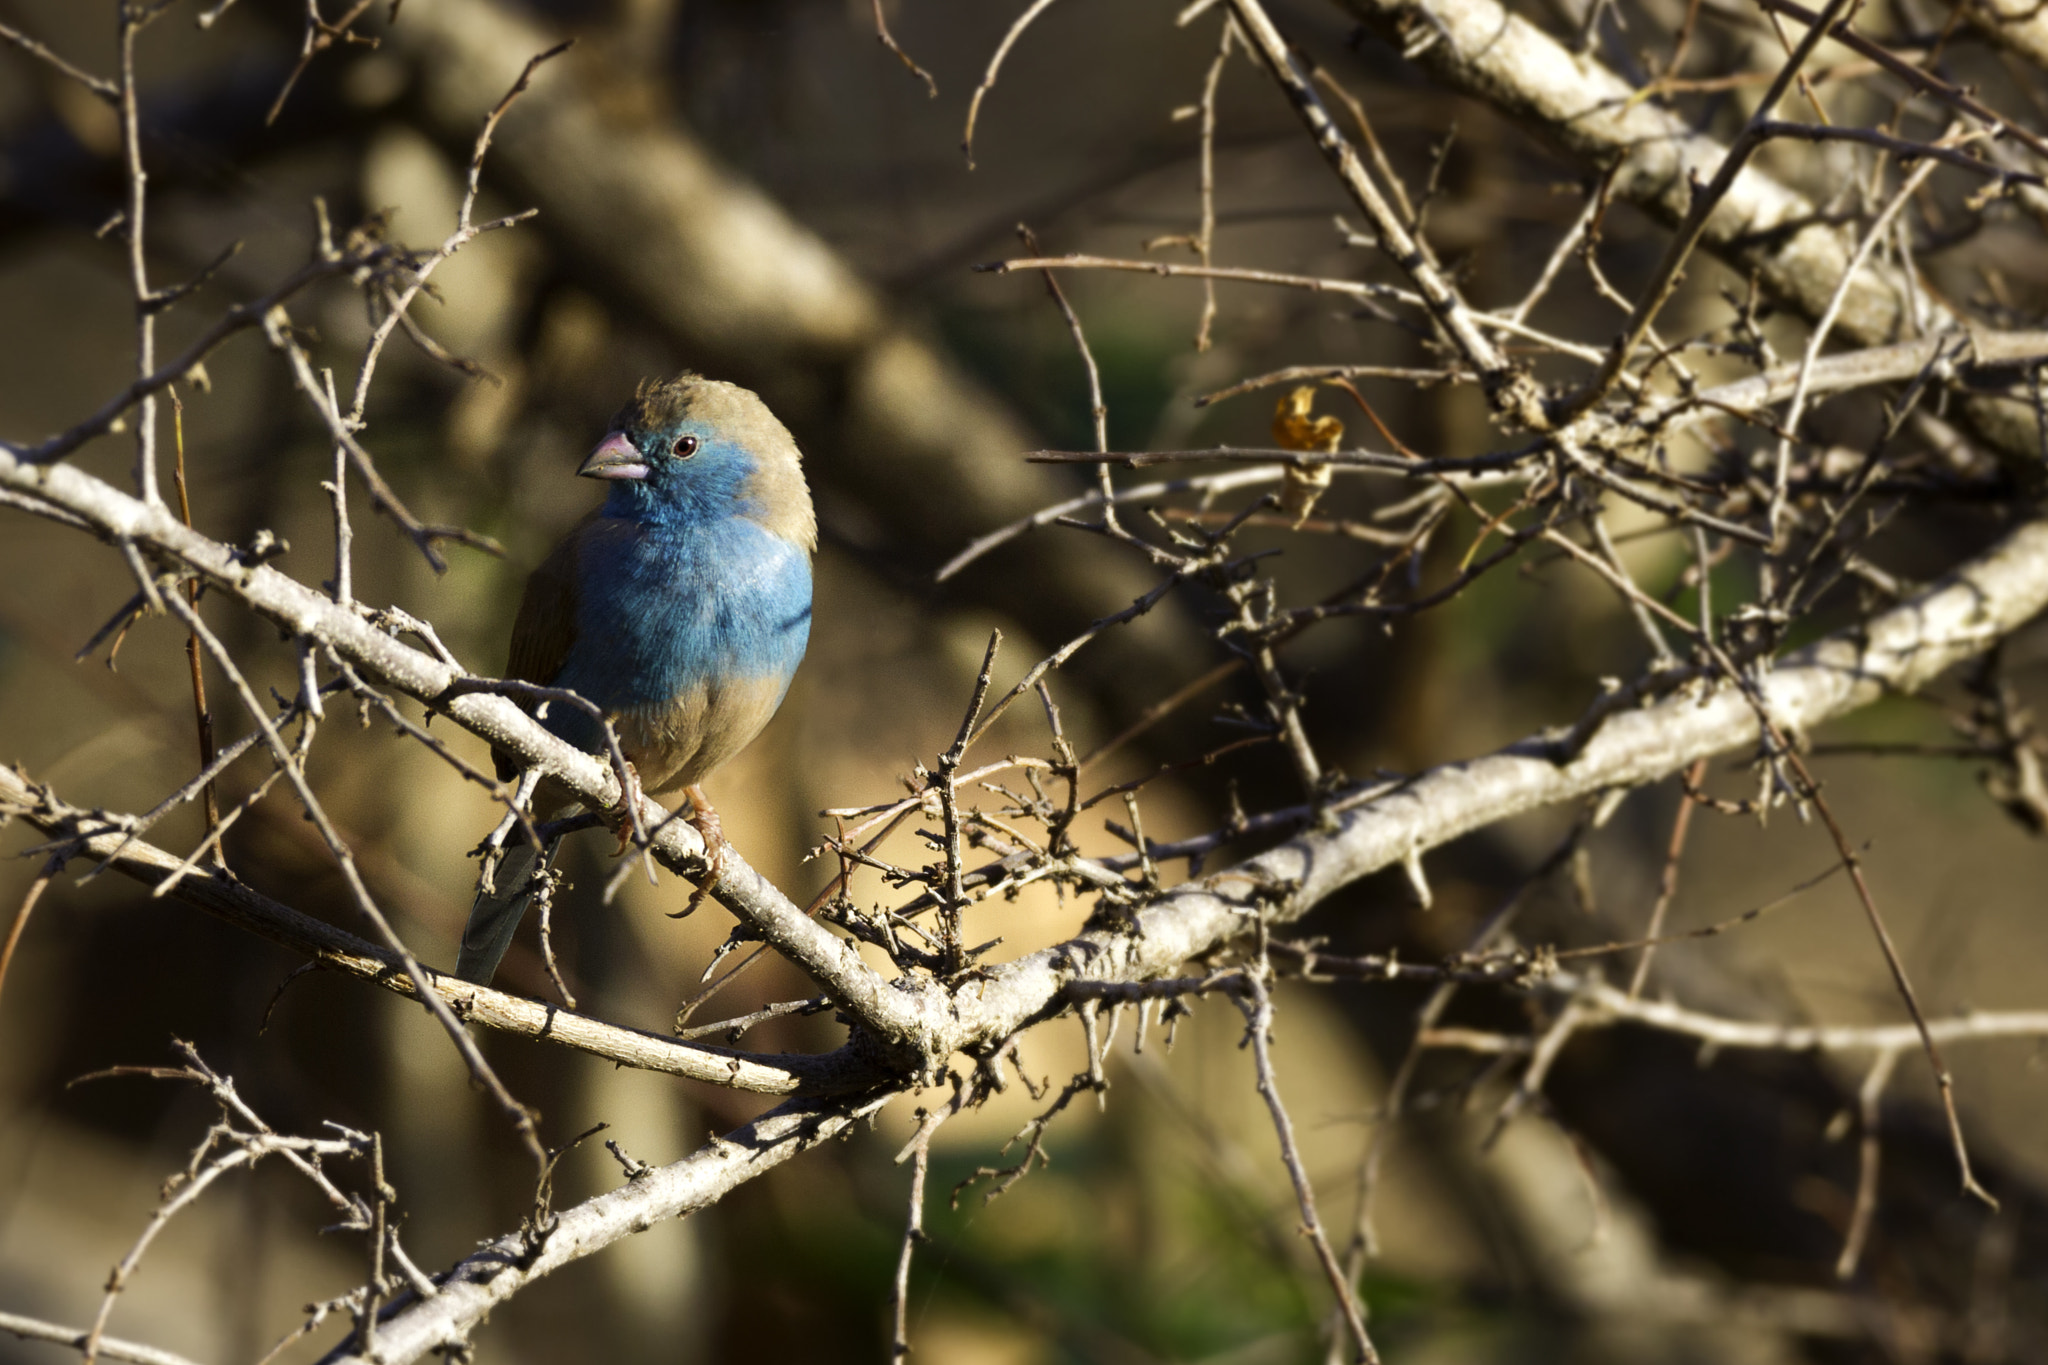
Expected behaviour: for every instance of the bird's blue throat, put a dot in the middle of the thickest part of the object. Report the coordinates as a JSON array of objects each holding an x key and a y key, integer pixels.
[{"x": 713, "y": 600}]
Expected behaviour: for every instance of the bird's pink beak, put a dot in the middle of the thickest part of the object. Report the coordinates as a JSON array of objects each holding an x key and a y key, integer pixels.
[{"x": 614, "y": 458}]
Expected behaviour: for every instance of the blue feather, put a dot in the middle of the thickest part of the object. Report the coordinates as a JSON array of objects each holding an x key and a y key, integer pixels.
[{"x": 663, "y": 608}]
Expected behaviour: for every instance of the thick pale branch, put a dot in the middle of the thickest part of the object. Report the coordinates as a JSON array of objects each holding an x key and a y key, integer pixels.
[
  {"x": 501, "y": 1269},
  {"x": 1478, "y": 47},
  {"x": 1899, "y": 651},
  {"x": 1653, "y": 158}
]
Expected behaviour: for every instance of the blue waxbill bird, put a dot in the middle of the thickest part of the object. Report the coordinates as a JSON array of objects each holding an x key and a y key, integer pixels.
[{"x": 681, "y": 608}]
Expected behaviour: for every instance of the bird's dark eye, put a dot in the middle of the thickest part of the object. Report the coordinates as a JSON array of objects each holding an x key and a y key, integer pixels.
[{"x": 685, "y": 447}]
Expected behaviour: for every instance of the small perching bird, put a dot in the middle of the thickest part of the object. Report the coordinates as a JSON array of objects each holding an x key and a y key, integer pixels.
[{"x": 680, "y": 608}]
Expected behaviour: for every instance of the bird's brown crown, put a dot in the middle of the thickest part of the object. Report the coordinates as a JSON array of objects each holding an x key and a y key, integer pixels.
[{"x": 779, "y": 492}]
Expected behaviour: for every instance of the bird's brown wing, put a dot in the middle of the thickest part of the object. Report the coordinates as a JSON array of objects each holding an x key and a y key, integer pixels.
[{"x": 545, "y": 629}]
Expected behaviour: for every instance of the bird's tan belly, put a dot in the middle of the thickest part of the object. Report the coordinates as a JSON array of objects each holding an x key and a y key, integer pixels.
[{"x": 679, "y": 743}]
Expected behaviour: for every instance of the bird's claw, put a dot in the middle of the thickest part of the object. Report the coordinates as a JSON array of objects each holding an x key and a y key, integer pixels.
[
  {"x": 620, "y": 815},
  {"x": 704, "y": 820}
]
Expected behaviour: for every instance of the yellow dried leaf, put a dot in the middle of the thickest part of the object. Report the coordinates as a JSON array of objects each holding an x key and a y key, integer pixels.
[{"x": 1296, "y": 428}]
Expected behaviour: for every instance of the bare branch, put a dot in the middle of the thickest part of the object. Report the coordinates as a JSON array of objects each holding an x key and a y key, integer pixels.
[
  {"x": 109, "y": 1348},
  {"x": 995, "y": 66},
  {"x": 888, "y": 40},
  {"x": 99, "y": 85},
  {"x": 502, "y": 1268},
  {"x": 92, "y": 834}
]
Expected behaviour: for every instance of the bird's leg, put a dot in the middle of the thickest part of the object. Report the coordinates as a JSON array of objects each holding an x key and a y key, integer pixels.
[
  {"x": 620, "y": 815},
  {"x": 704, "y": 820}
]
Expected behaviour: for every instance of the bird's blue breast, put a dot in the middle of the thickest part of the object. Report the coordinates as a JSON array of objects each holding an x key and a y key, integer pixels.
[{"x": 662, "y": 609}]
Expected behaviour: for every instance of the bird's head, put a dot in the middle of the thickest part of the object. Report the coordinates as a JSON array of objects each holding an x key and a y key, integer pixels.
[{"x": 692, "y": 450}]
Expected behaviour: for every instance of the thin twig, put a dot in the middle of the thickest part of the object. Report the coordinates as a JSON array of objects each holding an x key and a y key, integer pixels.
[
  {"x": 995, "y": 66},
  {"x": 202, "y": 717},
  {"x": 1667, "y": 882},
  {"x": 99, "y": 85},
  {"x": 1258, "y": 1010},
  {"x": 888, "y": 40},
  {"x": 918, "y": 1152},
  {"x": 19, "y": 925}
]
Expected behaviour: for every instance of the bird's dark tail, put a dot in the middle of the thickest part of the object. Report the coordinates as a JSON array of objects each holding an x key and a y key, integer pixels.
[{"x": 494, "y": 917}]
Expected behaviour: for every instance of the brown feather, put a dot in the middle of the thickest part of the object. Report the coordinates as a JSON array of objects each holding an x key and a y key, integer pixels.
[
  {"x": 680, "y": 743},
  {"x": 545, "y": 630}
]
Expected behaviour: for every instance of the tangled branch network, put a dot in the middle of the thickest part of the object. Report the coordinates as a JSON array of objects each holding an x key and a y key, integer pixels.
[{"x": 1702, "y": 436}]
